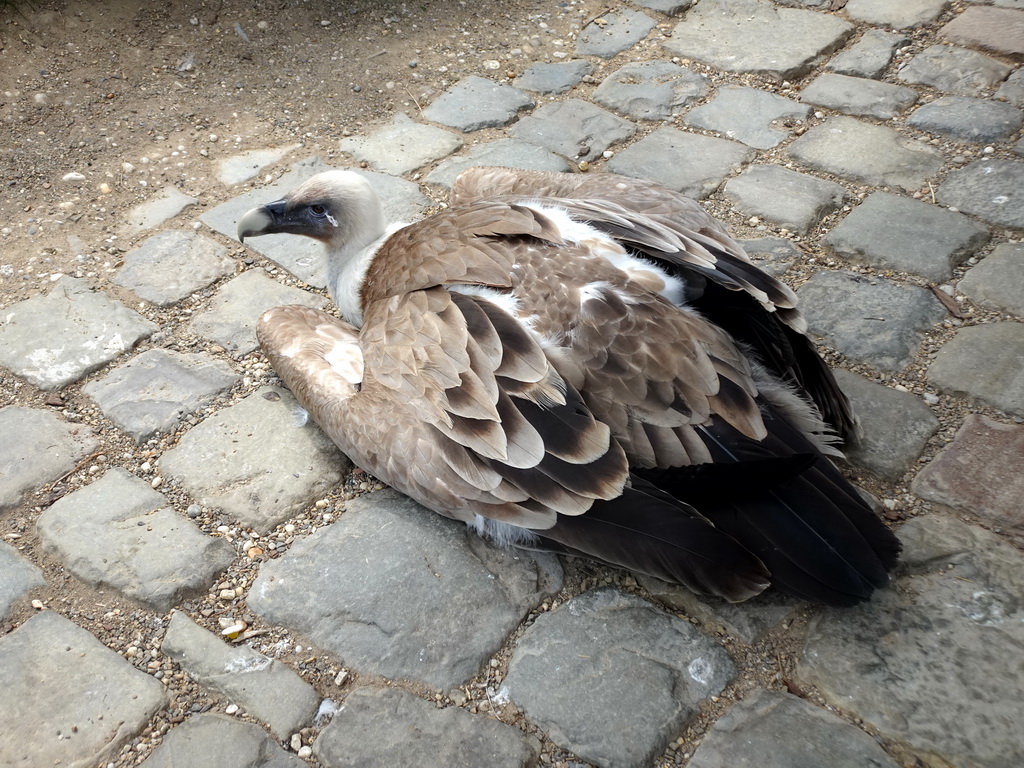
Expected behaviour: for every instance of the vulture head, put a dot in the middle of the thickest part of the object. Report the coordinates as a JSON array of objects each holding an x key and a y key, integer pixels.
[{"x": 338, "y": 208}]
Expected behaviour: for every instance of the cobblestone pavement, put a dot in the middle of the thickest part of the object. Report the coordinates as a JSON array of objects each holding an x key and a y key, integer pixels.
[{"x": 258, "y": 604}]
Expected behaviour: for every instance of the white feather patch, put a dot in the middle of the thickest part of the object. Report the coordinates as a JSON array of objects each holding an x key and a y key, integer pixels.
[
  {"x": 346, "y": 360},
  {"x": 504, "y": 300},
  {"x": 502, "y": 534}
]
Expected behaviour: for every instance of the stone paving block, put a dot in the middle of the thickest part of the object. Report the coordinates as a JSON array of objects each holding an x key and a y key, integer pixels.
[
  {"x": 254, "y": 463},
  {"x": 165, "y": 205},
  {"x": 384, "y": 728},
  {"x": 902, "y": 15},
  {"x": 749, "y": 735},
  {"x": 873, "y": 154},
  {"x": 687, "y": 162},
  {"x": 402, "y": 145},
  {"x": 621, "y": 29},
  {"x": 612, "y": 678},
  {"x": 70, "y": 700},
  {"x": 1012, "y": 90},
  {"x": 774, "y": 255},
  {"x": 991, "y": 189},
  {"x": 46, "y": 448},
  {"x": 56, "y": 339},
  {"x": 553, "y": 77},
  {"x": 966, "y": 119},
  {"x": 265, "y": 688},
  {"x": 859, "y": 96},
  {"x": 756, "y": 36},
  {"x": 156, "y": 390},
  {"x": 955, "y": 70},
  {"x": 984, "y": 362},
  {"x": 998, "y": 281},
  {"x": 392, "y": 588},
  {"x": 792, "y": 200},
  {"x": 757, "y": 118},
  {"x": 748, "y": 621},
  {"x": 245, "y": 165},
  {"x": 17, "y": 578},
  {"x": 303, "y": 256},
  {"x": 118, "y": 532},
  {"x": 476, "y": 102},
  {"x": 510, "y": 153},
  {"x": 231, "y": 319},
  {"x": 168, "y": 267},
  {"x": 573, "y": 128},
  {"x": 979, "y": 472},
  {"x": 928, "y": 662},
  {"x": 651, "y": 90},
  {"x": 216, "y": 740},
  {"x": 888, "y": 230},
  {"x": 869, "y": 56},
  {"x": 869, "y": 319},
  {"x": 896, "y": 426},
  {"x": 1000, "y": 30}
]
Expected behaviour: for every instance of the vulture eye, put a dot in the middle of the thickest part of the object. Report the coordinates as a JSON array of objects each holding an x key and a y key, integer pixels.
[{"x": 319, "y": 210}]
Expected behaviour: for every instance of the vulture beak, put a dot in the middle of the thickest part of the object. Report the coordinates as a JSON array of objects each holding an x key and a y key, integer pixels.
[{"x": 268, "y": 219}]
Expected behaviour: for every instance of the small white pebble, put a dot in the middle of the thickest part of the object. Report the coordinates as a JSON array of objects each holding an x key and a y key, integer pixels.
[
  {"x": 73, "y": 177},
  {"x": 305, "y": 751},
  {"x": 231, "y": 709}
]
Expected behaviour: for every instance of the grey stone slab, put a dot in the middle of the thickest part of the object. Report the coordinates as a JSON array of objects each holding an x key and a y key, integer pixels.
[
  {"x": 955, "y": 70},
  {"x": 386, "y": 727},
  {"x": 58, "y": 338},
  {"x": 553, "y": 77},
  {"x": 243, "y": 166},
  {"x": 991, "y": 189},
  {"x": 17, "y": 578},
  {"x": 573, "y": 128},
  {"x": 756, "y": 36},
  {"x": 476, "y": 102},
  {"x": 402, "y": 145},
  {"x": 612, "y": 678},
  {"x": 1000, "y": 30},
  {"x": 753, "y": 733},
  {"x": 869, "y": 319},
  {"x": 510, "y": 153},
  {"x": 870, "y": 56},
  {"x": 231, "y": 319},
  {"x": 303, "y": 256},
  {"x": 1012, "y": 90},
  {"x": 979, "y": 472},
  {"x": 668, "y": 7},
  {"x": 928, "y": 662},
  {"x": 984, "y": 362},
  {"x": 614, "y": 33},
  {"x": 651, "y": 90},
  {"x": 39, "y": 448},
  {"x": 896, "y": 425},
  {"x": 966, "y": 119},
  {"x": 774, "y": 255},
  {"x": 118, "y": 532},
  {"x": 216, "y": 740},
  {"x": 757, "y": 118},
  {"x": 164, "y": 206},
  {"x": 156, "y": 390},
  {"x": 168, "y": 267},
  {"x": 859, "y": 96},
  {"x": 253, "y": 462},
  {"x": 397, "y": 590},
  {"x": 68, "y": 699},
  {"x": 873, "y": 154},
  {"x": 902, "y": 15},
  {"x": 687, "y": 162},
  {"x": 792, "y": 200},
  {"x": 265, "y": 688},
  {"x": 998, "y": 281},
  {"x": 748, "y": 621},
  {"x": 888, "y": 230}
]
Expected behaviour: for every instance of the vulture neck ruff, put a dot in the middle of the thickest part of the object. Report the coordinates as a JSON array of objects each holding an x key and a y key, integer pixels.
[{"x": 346, "y": 271}]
